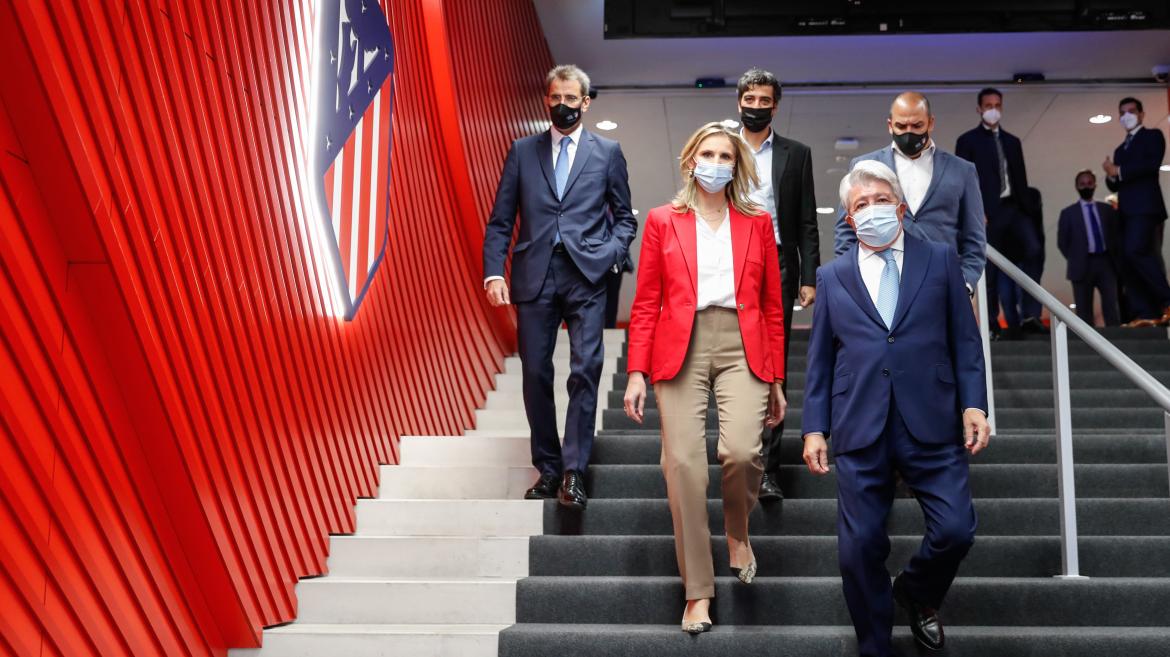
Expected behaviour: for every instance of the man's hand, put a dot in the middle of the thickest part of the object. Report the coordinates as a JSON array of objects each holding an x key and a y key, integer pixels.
[
  {"x": 1111, "y": 169},
  {"x": 777, "y": 405},
  {"x": 808, "y": 296},
  {"x": 635, "y": 400},
  {"x": 976, "y": 430},
  {"x": 816, "y": 453},
  {"x": 497, "y": 293}
]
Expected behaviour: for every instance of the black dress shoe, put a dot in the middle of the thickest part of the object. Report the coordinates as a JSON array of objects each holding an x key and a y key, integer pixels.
[
  {"x": 1034, "y": 325},
  {"x": 770, "y": 489},
  {"x": 572, "y": 492},
  {"x": 544, "y": 488},
  {"x": 1011, "y": 334},
  {"x": 924, "y": 622}
]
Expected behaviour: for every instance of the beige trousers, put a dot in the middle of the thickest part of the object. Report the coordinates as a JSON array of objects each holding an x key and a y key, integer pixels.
[{"x": 714, "y": 362}]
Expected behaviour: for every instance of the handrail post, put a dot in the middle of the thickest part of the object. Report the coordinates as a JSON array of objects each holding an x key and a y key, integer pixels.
[
  {"x": 1069, "y": 554},
  {"x": 985, "y": 334},
  {"x": 1166, "y": 416}
]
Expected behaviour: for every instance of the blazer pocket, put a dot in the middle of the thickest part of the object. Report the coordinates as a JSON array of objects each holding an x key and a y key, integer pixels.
[
  {"x": 520, "y": 246},
  {"x": 841, "y": 384},
  {"x": 945, "y": 373}
]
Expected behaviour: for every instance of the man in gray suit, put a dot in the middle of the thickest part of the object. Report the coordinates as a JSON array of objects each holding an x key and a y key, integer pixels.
[{"x": 942, "y": 190}]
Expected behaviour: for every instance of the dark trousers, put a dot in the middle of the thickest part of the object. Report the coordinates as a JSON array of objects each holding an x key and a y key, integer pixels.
[
  {"x": 939, "y": 477},
  {"x": 789, "y": 290},
  {"x": 566, "y": 295},
  {"x": 1142, "y": 272},
  {"x": 613, "y": 292},
  {"x": 1013, "y": 234},
  {"x": 1099, "y": 275}
]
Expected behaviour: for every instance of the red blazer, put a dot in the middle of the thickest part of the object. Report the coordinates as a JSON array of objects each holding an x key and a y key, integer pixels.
[{"x": 663, "y": 313}]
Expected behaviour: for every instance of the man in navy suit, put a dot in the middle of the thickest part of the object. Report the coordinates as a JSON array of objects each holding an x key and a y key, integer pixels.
[
  {"x": 1132, "y": 172},
  {"x": 896, "y": 381},
  {"x": 1088, "y": 235},
  {"x": 1014, "y": 224},
  {"x": 573, "y": 196},
  {"x": 942, "y": 191}
]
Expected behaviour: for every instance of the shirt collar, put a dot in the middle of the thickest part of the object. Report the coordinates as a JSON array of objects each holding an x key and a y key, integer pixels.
[
  {"x": 767, "y": 143},
  {"x": 898, "y": 245},
  {"x": 575, "y": 135},
  {"x": 1136, "y": 128},
  {"x": 927, "y": 152}
]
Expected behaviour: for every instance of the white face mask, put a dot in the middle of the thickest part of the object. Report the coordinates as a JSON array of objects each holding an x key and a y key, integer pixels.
[
  {"x": 992, "y": 117},
  {"x": 1129, "y": 121}
]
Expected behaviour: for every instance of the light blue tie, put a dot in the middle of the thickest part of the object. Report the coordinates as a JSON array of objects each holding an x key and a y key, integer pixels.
[
  {"x": 887, "y": 299},
  {"x": 561, "y": 173}
]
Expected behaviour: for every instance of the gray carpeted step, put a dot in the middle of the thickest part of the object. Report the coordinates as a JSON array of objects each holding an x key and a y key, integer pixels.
[
  {"x": 1008, "y": 418},
  {"x": 807, "y": 517},
  {"x": 999, "y": 480},
  {"x": 1040, "y": 379},
  {"x": 1004, "y": 398},
  {"x": 1084, "y": 364},
  {"x": 594, "y": 640},
  {"x": 816, "y": 556},
  {"x": 645, "y": 447},
  {"x": 1005, "y": 601}
]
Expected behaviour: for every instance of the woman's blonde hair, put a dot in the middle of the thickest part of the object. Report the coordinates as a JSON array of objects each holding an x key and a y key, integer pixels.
[{"x": 742, "y": 182}]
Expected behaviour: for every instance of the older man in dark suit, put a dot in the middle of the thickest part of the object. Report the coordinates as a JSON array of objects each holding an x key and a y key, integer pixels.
[
  {"x": 1088, "y": 235},
  {"x": 785, "y": 192},
  {"x": 576, "y": 226}
]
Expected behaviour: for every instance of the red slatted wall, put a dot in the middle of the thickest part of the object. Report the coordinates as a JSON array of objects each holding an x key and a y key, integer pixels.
[{"x": 183, "y": 420}]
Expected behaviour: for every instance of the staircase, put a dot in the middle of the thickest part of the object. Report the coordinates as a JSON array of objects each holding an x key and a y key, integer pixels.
[{"x": 606, "y": 583}]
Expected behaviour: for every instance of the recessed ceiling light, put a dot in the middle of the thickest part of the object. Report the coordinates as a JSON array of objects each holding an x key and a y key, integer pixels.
[
  {"x": 606, "y": 125},
  {"x": 730, "y": 124},
  {"x": 1100, "y": 118},
  {"x": 834, "y": 170},
  {"x": 1165, "y": 167},
  {"x": 846, "y": 144},
  {"x": 825, "y": 210},
  {"x": 635, "y": 212}
]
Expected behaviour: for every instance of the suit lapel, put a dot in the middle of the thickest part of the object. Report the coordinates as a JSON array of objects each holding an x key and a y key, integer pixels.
[
  {"x": 779, "y": 161},
  {"x": 584, "y": 149},
  {"x": 941, "y": 160},
  {"x": 544, "y": 156},
  {"x": 741, "y": 237},
  {"x": 684, "y": 232},
  {"x": 915, "y": 263},
  {"x": 850, "y": 276}
]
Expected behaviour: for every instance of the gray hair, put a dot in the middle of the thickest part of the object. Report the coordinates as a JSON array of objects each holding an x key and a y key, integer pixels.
[
  {"x": 868, "y": 171},
  {"x": 568, "y": 72}
]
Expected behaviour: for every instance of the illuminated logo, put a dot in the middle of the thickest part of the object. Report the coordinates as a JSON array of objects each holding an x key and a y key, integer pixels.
[{"x": 354, "y": 86}]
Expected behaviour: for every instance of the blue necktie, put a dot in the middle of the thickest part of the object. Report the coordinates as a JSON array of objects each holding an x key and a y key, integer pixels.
[
  {"x": 561, "y": 173},
  {"x": 1095, "y": 225},
  {"x": 1128, "y": 139},
  {"x": 887, "y": 299}
]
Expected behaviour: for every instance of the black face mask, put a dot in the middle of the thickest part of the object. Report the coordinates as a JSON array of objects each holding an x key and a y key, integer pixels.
[
  {"x": 755, "y": 119},
  {"x": 1087, "y": 192},
  {"x": 911, "y": 143},
  {"x": 563, "y": 116}
]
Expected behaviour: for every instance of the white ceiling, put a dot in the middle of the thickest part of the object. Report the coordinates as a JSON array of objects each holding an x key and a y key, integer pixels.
[
  {"x": 1052, "y": 120},
  {"x": 573, "y": 29}
]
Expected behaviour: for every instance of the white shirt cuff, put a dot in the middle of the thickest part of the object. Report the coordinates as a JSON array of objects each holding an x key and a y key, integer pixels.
[
  {"x": 976, "y": 409},
  {"x": 489, "y": 279}
]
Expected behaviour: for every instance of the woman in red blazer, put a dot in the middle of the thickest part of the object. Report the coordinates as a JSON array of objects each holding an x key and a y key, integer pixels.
[{"x": 707, "y": 317}]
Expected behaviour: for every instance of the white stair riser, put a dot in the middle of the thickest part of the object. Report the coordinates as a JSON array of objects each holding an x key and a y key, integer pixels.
[
  {"x": 358, "y": 644},
  {"x": 428, "y": 556},
  {"x": 353, "y": 601},
  {"x": 449, "y": 517},
  {"x": 467, "y": 451},
  {"x": 446, "y": 482}
]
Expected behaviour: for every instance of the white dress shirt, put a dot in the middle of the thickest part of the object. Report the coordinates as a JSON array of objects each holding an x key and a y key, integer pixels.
[
  {"x": 914, "y": 174},
  {"x": 556, "y": 136},
  {"x": 872, "y": 265},
  {"x": 715, "y": 264},
  {"x": 763, "y": 195}
]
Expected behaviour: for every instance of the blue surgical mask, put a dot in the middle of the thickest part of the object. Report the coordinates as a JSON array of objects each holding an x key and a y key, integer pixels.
[
  {"x": 713, "y": 177},
  {"x": 877, "y": 225}
]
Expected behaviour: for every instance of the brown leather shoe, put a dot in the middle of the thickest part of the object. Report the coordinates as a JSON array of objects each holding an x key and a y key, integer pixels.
[{"x": 1142, "y": 323}]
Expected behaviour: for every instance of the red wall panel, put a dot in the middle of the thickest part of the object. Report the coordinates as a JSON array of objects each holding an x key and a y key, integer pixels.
[{"x": 183, "y": 417}]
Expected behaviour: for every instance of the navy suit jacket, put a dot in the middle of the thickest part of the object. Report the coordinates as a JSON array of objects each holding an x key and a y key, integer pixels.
[
  {"x": 1138, "y": 190},
  {"x": 930, "y": 359},
  {"x": 951, "y": 212},
  {"x": 594, "y": 216},
  {"x": 977, "y": 146},
  {"x": 1073, "y": 238}
]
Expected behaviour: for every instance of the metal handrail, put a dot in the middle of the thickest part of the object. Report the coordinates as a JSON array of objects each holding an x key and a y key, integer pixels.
[{"x": 1062, "y": 320}]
